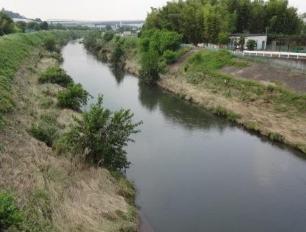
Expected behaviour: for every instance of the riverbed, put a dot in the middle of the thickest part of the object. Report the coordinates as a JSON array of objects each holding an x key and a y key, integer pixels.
[{"x": 194, "y": 171}]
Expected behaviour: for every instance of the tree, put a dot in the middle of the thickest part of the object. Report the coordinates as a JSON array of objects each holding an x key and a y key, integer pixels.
[
  {"x": 153, "y": 44},
  {"x": 44, "y": 26},
  {"x": 117, "y": 54},
  {"x": 6, "y": 24},
  {"x": 160, "y": 40},
  {"x": 241, "y": 42},
  {"x": 21, "y": 26},
  {"x": 258, "y": 16},
  {"x": 212, "y": 23},
  {"x": 100, "y": 136},
  {"x": 192, "y": 23},
  {"x": 150, "y": 67},
  {"x": 223, "y": 38},
  {"x": 282, "y": 19},
  {"x": 33, "y": 26},
  {"x": 208, "y": 20}
]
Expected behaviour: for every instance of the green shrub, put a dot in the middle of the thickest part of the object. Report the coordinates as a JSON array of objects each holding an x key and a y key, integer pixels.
[
  {"x": 10, "y": 215},
  {"x": 276, "y": 137},
  {"x": 45, "y": 130},
  {"x": 73, "y": 97},
  {"x": 170, "y": 56},
  {"x": 210, "y": 60},
  {"x": 157, "y": 48},
  {"x": 117, "y": 54},
  {"x": 7, "y": 25},
  {"x": 108, "y": 36},
  {"x": 251, "y": 44},
  {"x": 50, "y": 44},
  {"x": 56, "y": 75},
  {"x": 150, "y": 67},
  {"x": 100, "y": 136}
]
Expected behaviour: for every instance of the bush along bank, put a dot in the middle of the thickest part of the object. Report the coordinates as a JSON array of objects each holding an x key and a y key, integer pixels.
[{"x": 62, "y": 160}]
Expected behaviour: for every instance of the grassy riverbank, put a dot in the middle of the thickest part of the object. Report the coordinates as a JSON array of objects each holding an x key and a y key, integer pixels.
[
  {"x": 264, "y": 107},
  {"x": 48, "y": 190},
  {"x": 16, "y": 49},
  {"x": 268, "y": 108}
]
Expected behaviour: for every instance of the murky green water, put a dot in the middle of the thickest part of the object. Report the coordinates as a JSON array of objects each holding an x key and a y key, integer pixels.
[{"x": 193, "y": 171}]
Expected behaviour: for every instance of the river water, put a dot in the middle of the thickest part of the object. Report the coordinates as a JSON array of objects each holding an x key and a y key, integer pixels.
[{"x": 194, "y": 171}]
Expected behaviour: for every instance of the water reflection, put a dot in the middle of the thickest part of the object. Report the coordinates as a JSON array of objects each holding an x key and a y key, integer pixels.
[
  {"x": 118, "y": 73},
  {"x": 177, "y": 110}
]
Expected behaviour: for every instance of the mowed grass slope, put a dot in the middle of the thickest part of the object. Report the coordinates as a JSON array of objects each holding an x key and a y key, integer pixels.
[
  {"x": 15, "y": 49},
  {"x": 203, "y": 69}
]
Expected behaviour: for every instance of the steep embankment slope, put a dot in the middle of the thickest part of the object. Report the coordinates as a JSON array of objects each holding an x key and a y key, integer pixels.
[{"x": 53, "y": 193}]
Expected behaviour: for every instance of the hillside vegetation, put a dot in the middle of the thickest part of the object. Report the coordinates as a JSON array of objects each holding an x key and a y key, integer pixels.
[
  {"x": 15, "y": 50},
  {"x": 45, "y": 184}
]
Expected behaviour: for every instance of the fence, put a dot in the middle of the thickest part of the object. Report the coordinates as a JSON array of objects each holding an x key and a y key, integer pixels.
[
  {"x": 275, "y": 60},
  {"x": 288, "y": 55}
]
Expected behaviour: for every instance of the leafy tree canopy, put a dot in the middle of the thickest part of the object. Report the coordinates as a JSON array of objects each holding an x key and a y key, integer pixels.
[
  {"x": 7, "y": 25},
  {"x": 211, "y": 20}
]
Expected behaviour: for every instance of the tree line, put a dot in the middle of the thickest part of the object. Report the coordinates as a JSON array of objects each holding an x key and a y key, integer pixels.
[
  {"x": 8, "y": 26},
  {"x": 214, "y": 20}
]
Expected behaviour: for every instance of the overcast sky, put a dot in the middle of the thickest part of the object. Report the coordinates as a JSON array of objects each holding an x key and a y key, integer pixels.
[{"x": 93, "y": 9}]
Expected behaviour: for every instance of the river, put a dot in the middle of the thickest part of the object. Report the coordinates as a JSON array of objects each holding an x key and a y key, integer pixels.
[{"x": 195, "y": 172}]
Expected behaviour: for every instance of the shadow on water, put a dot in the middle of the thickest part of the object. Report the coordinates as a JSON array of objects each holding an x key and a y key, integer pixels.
[
  {"x": 177, "y": 110},
  {"x": 118, "y": 73}
]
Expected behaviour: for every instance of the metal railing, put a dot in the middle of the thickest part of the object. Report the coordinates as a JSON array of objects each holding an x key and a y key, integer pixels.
[{"x": 288, "y": 55}]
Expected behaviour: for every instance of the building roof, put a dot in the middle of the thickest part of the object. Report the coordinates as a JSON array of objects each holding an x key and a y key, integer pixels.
[{"x": 246, "y": 35}]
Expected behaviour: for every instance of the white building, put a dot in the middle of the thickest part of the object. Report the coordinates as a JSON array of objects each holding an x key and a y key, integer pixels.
[{"x": 260, "y": 39}]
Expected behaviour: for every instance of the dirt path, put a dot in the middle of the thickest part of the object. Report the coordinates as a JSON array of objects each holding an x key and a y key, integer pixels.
[{"x": 176, "y": 66}]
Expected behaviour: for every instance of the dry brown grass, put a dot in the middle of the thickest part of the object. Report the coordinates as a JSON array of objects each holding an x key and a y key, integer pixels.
[{"x": 75, "y": 197}]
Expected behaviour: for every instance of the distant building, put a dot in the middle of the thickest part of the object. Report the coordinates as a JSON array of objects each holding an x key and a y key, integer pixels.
[
  {"x": 127, "y": 33},
  {"x": 260, "y": 39},
  {"x": 22, "y": 20}
]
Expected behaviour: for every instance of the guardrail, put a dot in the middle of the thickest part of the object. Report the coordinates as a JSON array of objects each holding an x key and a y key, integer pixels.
[{"x": 288, "y": 55}]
